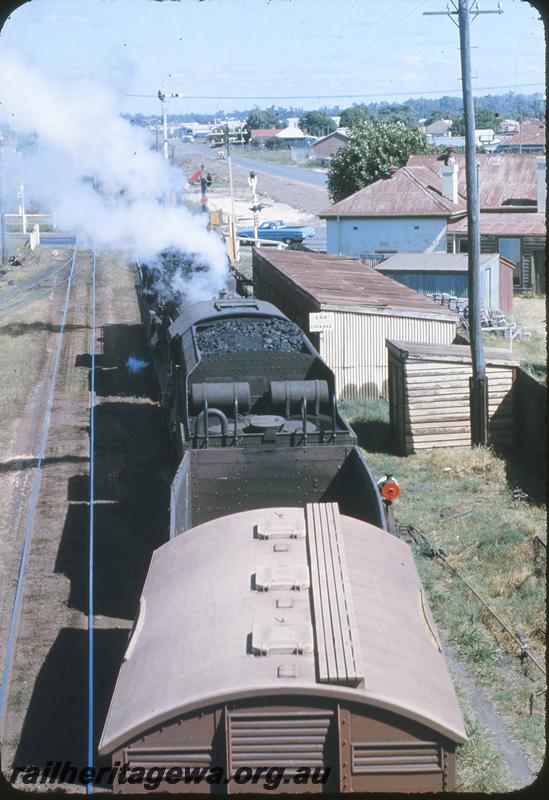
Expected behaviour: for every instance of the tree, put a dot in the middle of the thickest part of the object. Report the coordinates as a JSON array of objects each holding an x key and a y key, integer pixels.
[
  {"x": 371, "y": 149},
  {"x": 317, "y": 123},
  {"x": 272, "y": 143},
  {"x": 486, "y": 118},
  {"x": 262, "y": 119},
  {"x": 353, "y": 116},
  {"x": 394, "y": 112}
]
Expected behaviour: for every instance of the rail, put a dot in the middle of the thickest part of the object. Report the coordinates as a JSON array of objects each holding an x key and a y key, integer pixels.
[
  {"x": 36, "y": 486},
  {"x": 91, "y": 749},
  {"x": 438, "y": 553}
]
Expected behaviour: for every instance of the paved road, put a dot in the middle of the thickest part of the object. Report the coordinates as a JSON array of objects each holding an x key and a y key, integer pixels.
[{"x": 267, "y": 168}]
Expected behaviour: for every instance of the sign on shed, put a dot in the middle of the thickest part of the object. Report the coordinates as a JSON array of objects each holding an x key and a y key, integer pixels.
[{"x": 321, "y": 321}]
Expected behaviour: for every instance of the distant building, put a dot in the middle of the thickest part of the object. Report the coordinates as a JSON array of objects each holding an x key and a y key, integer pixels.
[
  {"x": 441, "y": 127},
  {"x": 530, "y": 138},
  {"x": 421, "y": 208},
  {"x": 324, "y": 148},
  {"x": 447, "y": 273}
]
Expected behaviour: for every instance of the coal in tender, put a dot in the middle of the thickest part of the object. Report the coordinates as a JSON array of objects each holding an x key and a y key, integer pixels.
[{"x": 250, "y": 336}]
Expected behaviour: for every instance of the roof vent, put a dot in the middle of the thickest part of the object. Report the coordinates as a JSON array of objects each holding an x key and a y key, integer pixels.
[
  {"x": 287, "y": 671},
  {"x": 280, "y": 533},
  {"x": 280, "y": 578},
  {"x": 391, "y": 170},
  {"x": 282, "y": 640}
]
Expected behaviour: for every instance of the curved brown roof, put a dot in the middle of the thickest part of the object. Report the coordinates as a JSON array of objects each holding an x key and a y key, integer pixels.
[{"x": 204, "y": 622}]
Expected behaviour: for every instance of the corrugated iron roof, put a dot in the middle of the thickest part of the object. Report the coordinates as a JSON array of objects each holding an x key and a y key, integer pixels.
[
  {"x": 413, "y": 191},
  {"x": 430, "y": 262},
  {"x": 531, "y": 131},
  {"x": 505, "y": 224},
  {"x": 258, "y": 133},
  {"x": 342, "y": 281},
  {"x": 189, "y": 648},
  {"x": 505, "y": 179}
]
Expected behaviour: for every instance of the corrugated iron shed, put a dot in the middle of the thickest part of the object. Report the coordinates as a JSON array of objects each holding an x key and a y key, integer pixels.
[
  {"x": 425, "y": 262},
  {"x": 344, "y": 282},
  {"x": 367, "y": 308}
]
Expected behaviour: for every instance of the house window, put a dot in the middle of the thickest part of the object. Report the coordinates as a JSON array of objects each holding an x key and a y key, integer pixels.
[{"x": 463, "y": 246}]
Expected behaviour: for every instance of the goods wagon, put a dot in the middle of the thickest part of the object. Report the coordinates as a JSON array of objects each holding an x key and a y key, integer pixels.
[{"x": 284, "y": 649}]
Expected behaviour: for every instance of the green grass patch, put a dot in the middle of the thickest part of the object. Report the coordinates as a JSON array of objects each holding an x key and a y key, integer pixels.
[{"x": 493, "y": 548}]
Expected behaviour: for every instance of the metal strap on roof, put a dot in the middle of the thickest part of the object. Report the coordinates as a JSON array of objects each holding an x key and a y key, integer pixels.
[{"x": 336, "y": 631}]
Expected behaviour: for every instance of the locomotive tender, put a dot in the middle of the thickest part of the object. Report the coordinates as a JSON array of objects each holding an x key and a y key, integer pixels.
[{"x": 252, "y": 407}]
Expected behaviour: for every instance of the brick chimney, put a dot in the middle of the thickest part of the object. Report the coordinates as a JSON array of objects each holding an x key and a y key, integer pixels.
[
  {"x": 450, "y": 171},
  {"x": 542, "y": 186}
]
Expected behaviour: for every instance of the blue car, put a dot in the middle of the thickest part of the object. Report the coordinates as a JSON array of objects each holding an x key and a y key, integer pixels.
[{"x": 278, "y": 231}]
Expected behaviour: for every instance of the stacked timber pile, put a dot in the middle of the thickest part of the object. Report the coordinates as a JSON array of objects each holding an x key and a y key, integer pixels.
[{"x": 429, "y": 395}]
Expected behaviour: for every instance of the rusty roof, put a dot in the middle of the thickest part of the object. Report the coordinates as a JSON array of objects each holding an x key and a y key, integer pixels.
[
  {"x": 430, "y": 262},
  {"x": 531, "y": 131},
  {"x": 191, "y": 645},
  {"x": 340, "y": 281},
  {"x": 258, "y": 133},
  {"x": 506, "y": 179},
  {"x": 505, "y": 224},
  {"x": 413, "y": 191}
]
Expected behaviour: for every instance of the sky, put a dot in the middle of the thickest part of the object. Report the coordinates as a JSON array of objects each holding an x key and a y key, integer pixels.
[{"x": 236, "y": 54}]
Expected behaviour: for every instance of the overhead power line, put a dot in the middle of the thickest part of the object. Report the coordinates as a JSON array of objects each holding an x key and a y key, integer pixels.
[{"x": 341, "y": 96}]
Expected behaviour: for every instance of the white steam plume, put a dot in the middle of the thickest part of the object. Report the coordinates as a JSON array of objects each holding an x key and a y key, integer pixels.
[{"x": 81, "y": 136}]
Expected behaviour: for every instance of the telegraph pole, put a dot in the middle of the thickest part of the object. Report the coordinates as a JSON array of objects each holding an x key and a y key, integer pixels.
[
  {"x": 478, "y": 383},
  {"x": 163, "y": 97},
  {"x": 2, "y": 218},
  {"x": 232, "y": 221}
]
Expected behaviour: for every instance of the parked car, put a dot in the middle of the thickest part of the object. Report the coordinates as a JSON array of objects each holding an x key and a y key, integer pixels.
[
  {"x": 220, "y": 155},
  {"x": 277, "y": 230}
]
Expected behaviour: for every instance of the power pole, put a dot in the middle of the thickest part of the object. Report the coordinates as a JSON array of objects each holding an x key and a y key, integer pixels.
[
  {"x": 163, "y": 97},
  {"x": 233, "y": 243},
  {"x": 478, "y": 383},
  {"x": 2, "y": 218}
]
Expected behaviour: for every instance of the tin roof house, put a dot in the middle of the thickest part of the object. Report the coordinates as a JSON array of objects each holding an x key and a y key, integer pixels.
[{"x": 422, "y": 207}]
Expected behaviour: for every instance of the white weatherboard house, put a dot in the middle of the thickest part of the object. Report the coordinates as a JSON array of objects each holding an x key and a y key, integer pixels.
[
  {"x": 398, "y": 214},
  {"x": 421, "y": 208}
]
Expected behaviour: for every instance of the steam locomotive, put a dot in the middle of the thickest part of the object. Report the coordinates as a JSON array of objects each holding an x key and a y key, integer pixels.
[
  {"x": 251, "y": 405},
  {"x": 283, "y": 641}
]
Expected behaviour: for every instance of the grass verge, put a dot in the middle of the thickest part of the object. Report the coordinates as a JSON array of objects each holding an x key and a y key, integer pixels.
[{"x": 493, "y": 546}]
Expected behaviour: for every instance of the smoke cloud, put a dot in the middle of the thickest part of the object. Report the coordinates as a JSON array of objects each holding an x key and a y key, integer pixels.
[{"x": 98, "y": 174}]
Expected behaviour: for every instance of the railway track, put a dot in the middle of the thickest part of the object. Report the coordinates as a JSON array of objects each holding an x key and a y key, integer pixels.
[
  {"x": 7, "y": 662},
  {"x": 52, "y": 456},
  {"x": 78, "y": 594}
]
